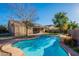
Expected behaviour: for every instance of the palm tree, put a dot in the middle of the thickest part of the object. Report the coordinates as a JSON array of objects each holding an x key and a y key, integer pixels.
[{"x": 73, "y": 25}]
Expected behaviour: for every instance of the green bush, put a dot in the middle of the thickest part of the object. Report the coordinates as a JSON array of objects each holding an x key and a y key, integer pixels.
[
  {"x": 71, "y": 42},
  {"x": 76, "y": 49},
  {"x": 3, "y": 29},
  {"x": 5, "y": 35}
]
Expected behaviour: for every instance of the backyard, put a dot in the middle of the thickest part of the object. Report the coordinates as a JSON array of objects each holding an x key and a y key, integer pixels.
[{"x": 23, "y": 35}]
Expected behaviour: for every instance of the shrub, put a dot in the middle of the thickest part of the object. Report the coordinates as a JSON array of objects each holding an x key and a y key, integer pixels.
[{"x": 70, "y": 42}]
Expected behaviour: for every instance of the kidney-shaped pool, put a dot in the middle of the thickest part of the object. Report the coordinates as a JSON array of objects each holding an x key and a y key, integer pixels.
[{"x": 41, "y": 46}]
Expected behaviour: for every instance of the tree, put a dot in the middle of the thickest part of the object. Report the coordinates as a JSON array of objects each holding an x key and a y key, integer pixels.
[
  {"x": 3, "y": 29},
  {"x": 60, "y": 20},
  {"x": 73, "y": 25},
  {"x": 65, "y": 27},
  {"x": 24, "y": 12}
]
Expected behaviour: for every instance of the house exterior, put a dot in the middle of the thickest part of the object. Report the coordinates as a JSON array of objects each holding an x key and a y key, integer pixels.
[
  {"x": 18, "y": 28},
  {"x": 51, "y": 28}
]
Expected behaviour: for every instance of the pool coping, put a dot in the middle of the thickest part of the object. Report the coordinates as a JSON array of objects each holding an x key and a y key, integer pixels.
[
  {"x": 65, "y": 49},
  {"x": 8, "y": 48}
]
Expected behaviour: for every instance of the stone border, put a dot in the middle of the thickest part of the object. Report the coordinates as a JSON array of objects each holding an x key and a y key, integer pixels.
[
  {"x": 13, "y": 51},
  {"x": 4, "y": 52}
]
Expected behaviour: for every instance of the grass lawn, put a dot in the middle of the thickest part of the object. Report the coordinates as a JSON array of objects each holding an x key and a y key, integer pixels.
[{"x": 5, "y": 36}]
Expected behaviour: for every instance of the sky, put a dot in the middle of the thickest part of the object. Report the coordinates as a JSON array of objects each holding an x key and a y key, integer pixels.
[{"x": 45, "y": 12}]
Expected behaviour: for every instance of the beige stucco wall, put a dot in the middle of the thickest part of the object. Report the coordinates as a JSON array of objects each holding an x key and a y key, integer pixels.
[
  {"x": 42, "y": 31},
  {"x": 30, "y": 31},
  {"x": 18, "y": 29},
  {"x": 75, "y": 33}
]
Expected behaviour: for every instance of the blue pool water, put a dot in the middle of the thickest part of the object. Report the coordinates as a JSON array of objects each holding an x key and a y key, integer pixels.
[{"x": 41, "y": 46}]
